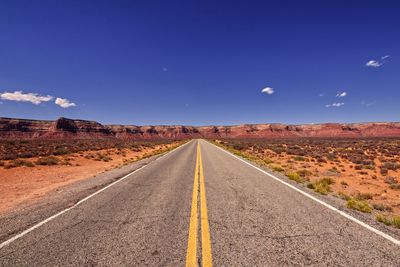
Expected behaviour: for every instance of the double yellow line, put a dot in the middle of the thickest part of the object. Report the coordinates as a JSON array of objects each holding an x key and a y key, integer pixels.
[{"x": 191, "y": 255}]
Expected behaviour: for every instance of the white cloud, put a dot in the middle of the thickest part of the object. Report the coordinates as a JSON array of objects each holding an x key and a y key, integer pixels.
[
  {"x": 19, "y": 96},
  {"x": 164, "y": 69},
  {"x": 335, "y": 104},
  {"x": 373, "y": 64},
  {"x": 338, "y": 104},
  {"x": 377, "y": 63},
  {"x": 341, "y": 94},
  {"x": 64, "y": 103},
  {"x": 321, "y": 95},
  {"x": 267, "y": 90}
]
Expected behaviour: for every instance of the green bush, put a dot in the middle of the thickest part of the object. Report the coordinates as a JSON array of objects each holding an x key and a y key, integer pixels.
[
  {"x": 381, "y": 218},
  {"x": 322, "y": 186},
  {"x": 295, "y": 177},
  {"x": 277, "y": 168},
  {"x": 267, "y": 161},
  {"x": 359, "y": 205},
  {"x": 396, "y": 221}
]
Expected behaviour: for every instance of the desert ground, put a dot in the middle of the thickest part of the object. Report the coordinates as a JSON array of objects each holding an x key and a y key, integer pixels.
[
  {"x": 30, "y": 169},
  {"x": 365, "y": 173}
]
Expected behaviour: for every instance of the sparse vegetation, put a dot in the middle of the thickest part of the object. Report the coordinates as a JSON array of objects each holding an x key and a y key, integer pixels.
[
  {"x": 55, "y": 152},
  {"x": 19, "y": 163},
  {"x": 322, "y": 186},
  {"x": 48, "y": 152},
  {"x": 359, "y": 205},
  {"x": 51, "y": 160},
  {"x": 363, "y": 196},
  {"x": 295, "y": 177},
  {"x": 394, "y": 221},
  {"x": 344, "y": 196},
  {"x": 16, "y": 149},
  {"x": 382, "y": 207},
  {"x": 304, "y": 173},
  {"x": 277, "y": 168},
  {"x": 383, "y": 219},
  {"x": 56, "y": 161},
  {"x": 363, "y": 172},
  {"x": 299, "y": 158},
  {"x": 395, "y": 186}
]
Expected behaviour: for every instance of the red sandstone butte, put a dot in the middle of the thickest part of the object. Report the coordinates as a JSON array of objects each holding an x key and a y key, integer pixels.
[{"x": 64, "y": 128}]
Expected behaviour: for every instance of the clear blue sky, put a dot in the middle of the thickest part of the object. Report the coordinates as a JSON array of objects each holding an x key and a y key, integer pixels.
[{"x": 201, "y": 62}]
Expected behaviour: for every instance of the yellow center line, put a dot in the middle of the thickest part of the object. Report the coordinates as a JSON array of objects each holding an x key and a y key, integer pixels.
[
  {"x": 191, "y": 255},
  {"x": 205, "y": 231}
]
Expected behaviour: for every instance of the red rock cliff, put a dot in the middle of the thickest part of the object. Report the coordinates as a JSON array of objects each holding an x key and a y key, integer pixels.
[{"x": 81, "y": 129}]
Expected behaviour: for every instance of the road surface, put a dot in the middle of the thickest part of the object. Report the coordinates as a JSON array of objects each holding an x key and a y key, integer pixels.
[{"x": 199, "y": 205}]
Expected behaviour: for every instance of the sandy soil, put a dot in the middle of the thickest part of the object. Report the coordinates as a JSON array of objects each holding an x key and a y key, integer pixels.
[
  {"x": 348, "y": 180},
  {"x": 23, "y": 184}
]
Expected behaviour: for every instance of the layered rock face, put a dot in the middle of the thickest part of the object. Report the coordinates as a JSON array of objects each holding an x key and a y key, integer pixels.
[{"x": 64, "y": 128}]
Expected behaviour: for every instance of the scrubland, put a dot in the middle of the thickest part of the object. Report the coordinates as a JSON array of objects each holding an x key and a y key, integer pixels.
[
  {"x": 30, "y": 169},
  {"x": 365, "y": 173}
]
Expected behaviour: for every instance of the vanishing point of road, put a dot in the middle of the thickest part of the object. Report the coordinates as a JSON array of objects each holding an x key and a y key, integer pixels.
[{"x": 199, "y": 206}]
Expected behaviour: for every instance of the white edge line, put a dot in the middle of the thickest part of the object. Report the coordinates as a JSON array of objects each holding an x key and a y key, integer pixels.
[
  {"x": 12, "y": 239},
  {"x": 376, "y": 231}
]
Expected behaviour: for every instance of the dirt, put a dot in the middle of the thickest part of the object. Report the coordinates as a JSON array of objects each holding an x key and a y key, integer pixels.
[
  {"x": 348, "y": 181},
  {"x": 26, "y": 184},
  {"x": 356, "y": 166}
]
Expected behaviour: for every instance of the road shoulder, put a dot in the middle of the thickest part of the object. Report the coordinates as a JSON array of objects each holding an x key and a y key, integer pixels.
[{"x": 28, "y": 214}]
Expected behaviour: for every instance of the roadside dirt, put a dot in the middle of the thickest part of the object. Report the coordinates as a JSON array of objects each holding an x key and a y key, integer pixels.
[
  {"x": 348, "y": 181},
  {"x": 27, "y": 184},
  {"x": 368, "y": 179}
]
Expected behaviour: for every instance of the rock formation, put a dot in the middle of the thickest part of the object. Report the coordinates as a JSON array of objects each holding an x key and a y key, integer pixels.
[{"x": 64, "y": 128}]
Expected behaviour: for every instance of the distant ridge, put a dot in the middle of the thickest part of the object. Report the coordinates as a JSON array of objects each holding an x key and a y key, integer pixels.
[{"x": 64, "y": 128}]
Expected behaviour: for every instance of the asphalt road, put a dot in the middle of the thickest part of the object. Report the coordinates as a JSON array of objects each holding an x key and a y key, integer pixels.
[{"x": 233, "y": 214}]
